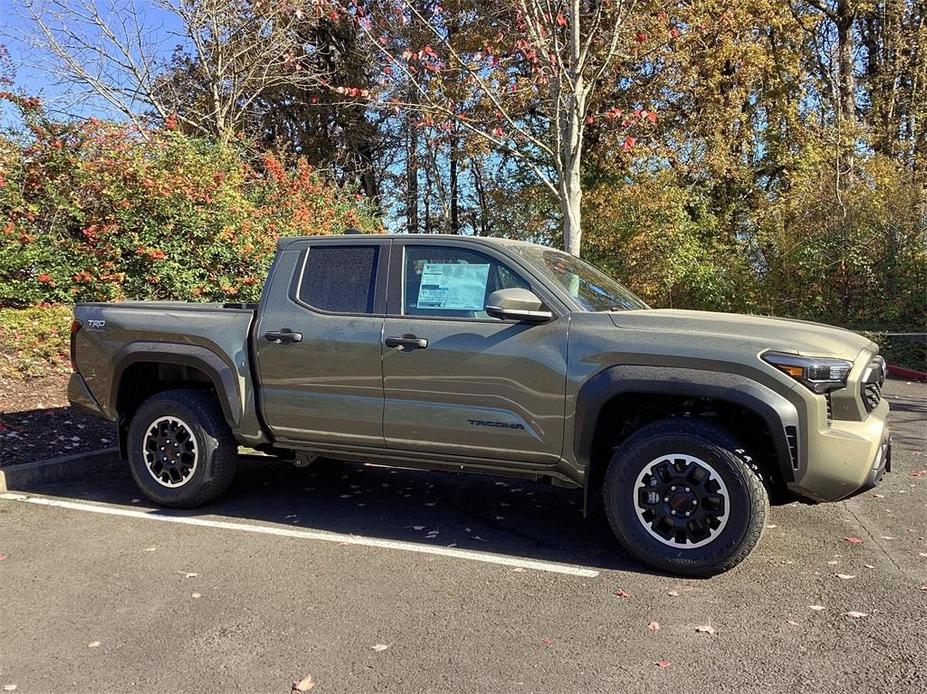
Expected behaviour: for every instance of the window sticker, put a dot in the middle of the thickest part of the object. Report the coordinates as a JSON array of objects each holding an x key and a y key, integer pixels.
[{"x": 453, "y": 286}]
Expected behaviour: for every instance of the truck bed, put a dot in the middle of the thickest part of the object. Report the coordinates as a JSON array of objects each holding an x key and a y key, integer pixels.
[{"x": 209, "y": 337}]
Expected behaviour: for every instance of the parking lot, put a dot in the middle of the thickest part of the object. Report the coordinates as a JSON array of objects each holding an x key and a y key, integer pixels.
[{"x": 472, "y": 583}]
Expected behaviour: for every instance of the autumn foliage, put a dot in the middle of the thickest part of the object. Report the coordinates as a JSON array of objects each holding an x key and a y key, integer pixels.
[{"x": 92, "y": 210}]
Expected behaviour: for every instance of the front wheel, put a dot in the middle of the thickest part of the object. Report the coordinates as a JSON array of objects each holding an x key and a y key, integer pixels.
[
  {"x": 683, "y": 496},
  {"x": 181, "y": 451}
]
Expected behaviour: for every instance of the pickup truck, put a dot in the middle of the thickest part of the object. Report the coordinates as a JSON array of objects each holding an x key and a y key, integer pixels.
[{"x": 497, "y": 356}]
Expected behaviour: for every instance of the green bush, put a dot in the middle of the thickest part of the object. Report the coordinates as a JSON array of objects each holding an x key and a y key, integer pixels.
[
  {"x": 93, "y": 210},
  {"x": 34, "y": 341}
]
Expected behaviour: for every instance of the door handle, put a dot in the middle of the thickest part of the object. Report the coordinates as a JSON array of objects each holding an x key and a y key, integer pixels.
[
  {"x": 283, "y": 336},
  {"x": 406, "y": 342}
]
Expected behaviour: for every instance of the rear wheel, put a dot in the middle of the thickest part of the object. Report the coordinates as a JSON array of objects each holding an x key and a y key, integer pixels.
[
  {"x": 181, "y": 451},
  {"x": 683, "y": 496}
]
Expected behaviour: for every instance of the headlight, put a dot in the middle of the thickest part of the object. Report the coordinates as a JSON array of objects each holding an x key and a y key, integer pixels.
[{"x": 818, "y": 374}]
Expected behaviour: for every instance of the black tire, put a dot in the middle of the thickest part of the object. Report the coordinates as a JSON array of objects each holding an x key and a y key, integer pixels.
[
  {"x": 631, "y": 509},
  {"x": 215, "y": 451}
]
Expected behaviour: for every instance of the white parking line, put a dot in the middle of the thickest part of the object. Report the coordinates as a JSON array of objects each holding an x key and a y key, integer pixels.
[{"x": 324, "y": 536}]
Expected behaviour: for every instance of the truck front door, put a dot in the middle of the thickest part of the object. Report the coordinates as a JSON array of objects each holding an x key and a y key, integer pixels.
[
  {"x": 318, "y": 343},
  {"x": 457, "y": 381}
]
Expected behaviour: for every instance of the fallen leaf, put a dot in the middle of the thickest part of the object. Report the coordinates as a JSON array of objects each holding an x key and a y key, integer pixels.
[
  {"x": 879, "y": 496},
  {"x": 9, "y": 687},
  {"x": 919, "y": 473},
  {"x": 547, "y": 641},
  {"x": 853, "y": 540},
  {"x": 887, "y": 537},
  {"x": 622, "y": 593},
  {"x": 518, "y": 570},
  {"x": 816, "y": 608},
  {"x": 150, "y": 549},
  {"x": 663, "y": 664},
  {"x": 856, "y": 615},
  {"x": 379, "y": 647},
  {"x": 188, "y": 574},
  {"x": 772, "y": 525},
  {"x": 2, "y": 557},
  {"x": 845, "y": 577},
  {"x": 832, "y": 562},
  {"x": 924, "y": 588},
  {"x": 654, "y": 626},
  {"x": 920, "y": 554},
  {"x": 304, "y": 685},
  {"x": 196, "y": 595},
  {"x": 705, "y": 629},
  {"x": 93, "y": 644},
  {"x": 869, "y": 566},
  {"x": 793, "y": 623},
  {"x": 673, "y": 593}
]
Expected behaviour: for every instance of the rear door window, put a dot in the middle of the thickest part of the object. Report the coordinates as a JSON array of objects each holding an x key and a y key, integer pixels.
[{"x": 339, "y": 279}]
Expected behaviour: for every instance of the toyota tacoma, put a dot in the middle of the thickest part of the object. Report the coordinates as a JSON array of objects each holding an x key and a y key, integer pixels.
[{"x": 496, "y": 356}]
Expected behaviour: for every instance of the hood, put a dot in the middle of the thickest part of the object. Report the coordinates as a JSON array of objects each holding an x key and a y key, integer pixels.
[{"x": 781, "y": 334}]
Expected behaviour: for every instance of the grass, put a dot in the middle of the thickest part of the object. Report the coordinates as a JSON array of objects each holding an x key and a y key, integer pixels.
[{"x": 34, "y": 342}]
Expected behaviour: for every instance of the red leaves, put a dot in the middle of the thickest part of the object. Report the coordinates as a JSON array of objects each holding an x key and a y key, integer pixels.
[
  {"x": 641, "y": 37},
  {"x": 919, "y": 473},
  {"x": 498, "y": 132},
  {"x": 674, "y": 33},
  {"x": 852, "y": 540},
  {"x": 45, "y": 278},
  {"x": 547, "y": 641},
  {"x": 628, "y": 143},
  {"x": 622, "y": 593},
  {"x": 561, "y": 20},
  {"x": 654, "y": 626},
  {"x": 663, "y": 664}
]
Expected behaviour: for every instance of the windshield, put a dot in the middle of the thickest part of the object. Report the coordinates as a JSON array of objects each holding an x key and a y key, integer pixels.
[{"x": 590, "y": 288}]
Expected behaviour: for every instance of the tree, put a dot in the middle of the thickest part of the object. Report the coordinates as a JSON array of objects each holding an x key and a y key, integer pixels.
[
  {"x": 521, "y": 78},
  {"x": 233, "y": 51}
]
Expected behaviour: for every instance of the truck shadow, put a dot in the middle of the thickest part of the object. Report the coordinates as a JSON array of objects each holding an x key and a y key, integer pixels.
[{"x": 467, "y": 511}]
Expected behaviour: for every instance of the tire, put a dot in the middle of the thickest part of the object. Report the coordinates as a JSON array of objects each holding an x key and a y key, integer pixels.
[
  {"x": 203, "y": 453},
  {"x": 677, "y": 466}
]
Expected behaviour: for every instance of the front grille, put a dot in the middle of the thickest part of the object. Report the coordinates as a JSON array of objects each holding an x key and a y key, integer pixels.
[
  {"x": 870, "y": 387},
  {"x": 830, "y": 408}
]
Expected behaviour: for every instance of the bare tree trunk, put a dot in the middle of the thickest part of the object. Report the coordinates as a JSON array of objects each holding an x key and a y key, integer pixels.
[
  {"x": 452, "y": 175},
  {"x": 845, "y": 46},
  {"x": 411, "y": 177}
]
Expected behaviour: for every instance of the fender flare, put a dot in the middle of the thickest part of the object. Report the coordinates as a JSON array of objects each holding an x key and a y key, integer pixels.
[
  {"x": 780, "y": 415},
  {"x": 224, "y": 378}
]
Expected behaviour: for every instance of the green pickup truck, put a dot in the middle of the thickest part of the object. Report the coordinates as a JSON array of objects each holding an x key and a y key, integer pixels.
[{"x": 487, "y": 355}]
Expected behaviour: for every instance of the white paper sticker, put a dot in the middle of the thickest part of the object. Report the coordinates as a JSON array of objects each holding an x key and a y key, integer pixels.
[{"x": 453, "y": 286}]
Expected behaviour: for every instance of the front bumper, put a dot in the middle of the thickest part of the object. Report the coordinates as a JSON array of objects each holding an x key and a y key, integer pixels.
[{"x": 846, "y": 457}]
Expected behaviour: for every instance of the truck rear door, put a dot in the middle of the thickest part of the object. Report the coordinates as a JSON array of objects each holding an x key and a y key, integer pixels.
[{"x": 318, "y": 342}]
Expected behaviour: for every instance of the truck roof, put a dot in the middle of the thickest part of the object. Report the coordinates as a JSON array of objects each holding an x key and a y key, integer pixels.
[{"x": 360, "y": 237}]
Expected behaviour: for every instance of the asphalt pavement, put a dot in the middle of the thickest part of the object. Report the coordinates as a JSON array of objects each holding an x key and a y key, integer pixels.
[{"x": 472, "y": 583}]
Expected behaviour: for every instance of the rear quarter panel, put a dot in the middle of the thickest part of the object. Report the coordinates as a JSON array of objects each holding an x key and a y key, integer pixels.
[{"x": 113, "y": 336}]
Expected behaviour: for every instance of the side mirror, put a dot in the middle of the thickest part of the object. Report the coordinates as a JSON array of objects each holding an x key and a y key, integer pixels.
[{"x": 517, "y": 304}]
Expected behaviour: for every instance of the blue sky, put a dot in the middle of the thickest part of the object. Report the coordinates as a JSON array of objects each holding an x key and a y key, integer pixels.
[{"x": 32, "y": 74}]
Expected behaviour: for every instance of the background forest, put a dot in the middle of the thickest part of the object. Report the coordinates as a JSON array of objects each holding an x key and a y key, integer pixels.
[{"x": 759, "y": 156}]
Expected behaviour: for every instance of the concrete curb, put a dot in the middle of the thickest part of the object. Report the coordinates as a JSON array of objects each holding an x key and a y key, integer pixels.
[{"x": 19, "y": 477}]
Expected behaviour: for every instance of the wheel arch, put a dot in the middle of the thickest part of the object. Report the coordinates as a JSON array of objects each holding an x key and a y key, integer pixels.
[
  {"x": 621, "y": 395},
  {"x": 143, "y": 369}
]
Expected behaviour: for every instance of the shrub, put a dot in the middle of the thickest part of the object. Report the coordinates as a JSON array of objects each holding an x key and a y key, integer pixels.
[
  {"x": 34, "y": 341},
  {"x": 93, "y": 210}
]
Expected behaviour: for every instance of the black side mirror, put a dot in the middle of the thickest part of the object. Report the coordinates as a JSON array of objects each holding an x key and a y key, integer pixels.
[{"x": 517, "y": 304}]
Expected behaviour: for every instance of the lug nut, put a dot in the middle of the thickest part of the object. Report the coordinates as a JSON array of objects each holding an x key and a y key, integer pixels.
[
  {"x": 695, "y": 502},
  {"x": 666, "y": 499},
  {"x": 688, "y": 490},
  {"x": 688, "y": 513},
  {"x": 673, "y": 488},
  {"x": 673, "y": 513}
]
